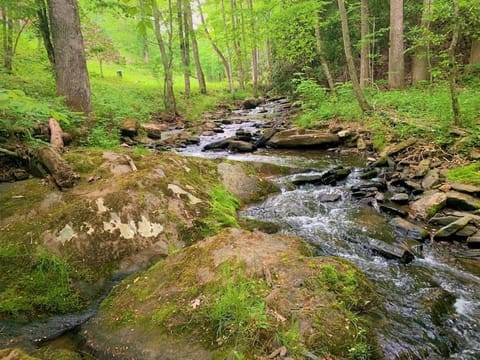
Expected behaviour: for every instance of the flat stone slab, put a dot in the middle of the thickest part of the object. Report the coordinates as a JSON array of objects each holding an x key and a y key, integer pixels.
[
  {"x": 466, "y": 188},
  {"x": 394, "y": 149},
  {"x": 428, "y": 205},
  {"x": 400, "y": 198},
  {"x": 431, "y": 179},
  {"x": 461, "y": 201},
  {"x": 389, "y": 251},
  {"x": 303, "y": 139},
  {"x": 408, "y": 229},
  {"x": 473, "y": 241},
  {"x": 452, "y": 228}
]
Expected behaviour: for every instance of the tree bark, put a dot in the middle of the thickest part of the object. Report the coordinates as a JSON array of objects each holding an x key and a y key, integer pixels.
[
  {"x": 365, "y": 44},
  {"x": 56, "y": 135},
  {"x": 323, "y": 60},
  {"x": 70, "y": 64},
  {"x": 196, "y": 54},
  {"x": 229, "y": 51},
  {"x": 396, "y": 62},
  {"x": 236, "y": 45},
  {"x": 44, "y": 28},
  {"x": 364, "y": 105},
  {"x": 61, "y": 171},
  {"x": 168, "y": 95},
  {"x": 453, "y": 64},
  {"x": 475, "y": 52},
  {"x": 254, "y": 49},
  {"x": 184, "y": 45},
  {"x": 420, "y": 63},
  {"x": 7, "y": 27},
  {"x": 223, "y": 59}
]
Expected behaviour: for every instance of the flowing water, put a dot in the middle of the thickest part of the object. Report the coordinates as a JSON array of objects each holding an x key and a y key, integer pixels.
[{"x": 431, "y": 305}]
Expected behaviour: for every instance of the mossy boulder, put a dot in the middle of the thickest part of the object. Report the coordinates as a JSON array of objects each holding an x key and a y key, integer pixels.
[
  {"x": 239, "y": 294},
  {"x": 127, "y": 212}
]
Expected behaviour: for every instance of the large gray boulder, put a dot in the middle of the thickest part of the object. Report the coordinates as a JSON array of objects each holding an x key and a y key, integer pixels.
[
  {"x": 295, "y": 138},
  {"x": 462, "y": 201}
]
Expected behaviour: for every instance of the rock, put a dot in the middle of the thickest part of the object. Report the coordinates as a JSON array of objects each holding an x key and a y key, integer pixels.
[
  {"x": 422, "y": 168},
  {"x": 461, "y": 201},
  {"x": 369, "y": 174},
  {"x": 394, "y": 149},
  {"x": 328, "y": 177},
  {"x": 344, "y": 133},
  {"x": 389, "y": 251},
  {"x": 467, "y": 231},
  {"x": 474, "y": 154},
  {"x": 129, "y": 127},
  {"x": 443, "y": 220},
  {"x": 406, "y": 228},
  {"x": 452, "y": 228},
  {"x": 330, "y": 197},
  {"x": 473, "y": 241},
  {"x": 400, "y": 198},
  {"x": 466, "y": 188},
  {"x": 251, "y": 103},
  {"x": 361, "y": 145},
  {"x": 303, "y": 139},
  {"x": 392, "y": 209},
  {"x": 217, "y": 145},
  {"x": 267, "y": 135},
  {"x": 181, "y": 291},
  {"x": 428, "y": 205},
  {"x": 416, "y": 188},
  {"x": 154, "y": 131},
  {"x": 20, "y": 174},
  {"x": 15, "y": 354},
  {"x": 240, "y": 146},
  {"x": 245, "y": 187},
  {"x": 431, "y": 179}
]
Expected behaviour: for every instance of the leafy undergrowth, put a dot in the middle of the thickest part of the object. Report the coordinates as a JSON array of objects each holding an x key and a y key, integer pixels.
[
  {"x": 423, "y": 110},
  {"x": 216, "y": 300}
]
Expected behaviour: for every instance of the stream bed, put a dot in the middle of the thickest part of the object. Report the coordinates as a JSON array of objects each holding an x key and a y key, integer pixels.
[{"x": 431, "y": 305}]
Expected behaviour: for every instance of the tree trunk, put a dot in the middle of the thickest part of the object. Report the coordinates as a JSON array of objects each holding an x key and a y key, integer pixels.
[
  {"x": 56, "y": 135},
  {"x": 364, "y": 105},
  {"x": 475, "y": 52},
  {"x": 396, "y": 62},
  {"x": 70, "y": 64},
  {"x": 196, "y": 55},
  {"x": 7, "y": 26},
  {"x": 184, "y": 46},
  {"x": 44, "y": 28},
  {"x": 168, "y": 95},
  {"x": 223, "y": 59},
  {"x": 453, "y": 65},
  {"x": 323, "y": 60},
  {"x": 236, "y": 46},
  {"x": 143, "y": 36},
  {"x": 229, "y": 51},
  {"x": 365, "y": 44},
  {"x": 421, "y": 56},
  {"x": 254, "y": 49}
]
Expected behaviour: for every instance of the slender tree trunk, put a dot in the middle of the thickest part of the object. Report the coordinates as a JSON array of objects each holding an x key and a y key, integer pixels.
[
  {"x": 453, "y": 64},
  {"x": 421, "y": 55},
  {"x": 7, "y": 25},
  {"x": 323, "y": 60},
  {"x": 364, "y": 105},
  {"x": 229, "y": 51},
  {"x": 166, "y": 53},
  {"x": 70, "y": 64},
  {"x": 184, "y": 47},
  {"x": 143, "y": 36},
  {"x": 396, "y": 62},
  {"x": 196, "y": 54},
  {"x": 236, "y": 45},
  {"x": 100, "y": 61},
  {"x": 44, "y": 28},
  {"x": 223, "y": 59},
  {"x": 254, "y": 48},
  {"x": 365, "y": 44},
  {"x": 475, "y": 52}
]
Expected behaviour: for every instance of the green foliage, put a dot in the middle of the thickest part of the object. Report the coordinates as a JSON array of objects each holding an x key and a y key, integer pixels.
[
  {"x": 290, "y": 337},
  {"x": 35, "y": 284},
  {"x": 223, "y": 210},
  {"x": 469, "y": 174},
  {"x": 235, "y": 312}
]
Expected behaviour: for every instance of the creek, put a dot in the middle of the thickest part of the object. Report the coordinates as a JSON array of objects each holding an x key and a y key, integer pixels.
[{"x": 431, "y": 305}]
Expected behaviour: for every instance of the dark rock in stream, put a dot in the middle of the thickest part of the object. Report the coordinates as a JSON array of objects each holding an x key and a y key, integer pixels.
[
  {"x": 295, "y": 138},
  {"x": 473, "y": 242},
  {"x": 389, "y": 251},
  {"x": 400, "y": 198},
  {"x": 393, "y": 209},
  {"x": 329, "y": 177}
]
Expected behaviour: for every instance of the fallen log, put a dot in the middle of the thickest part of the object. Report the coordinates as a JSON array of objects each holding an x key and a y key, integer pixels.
[
  {"x": 61, "y": 171},
  {"x": 56, "y": 135}
]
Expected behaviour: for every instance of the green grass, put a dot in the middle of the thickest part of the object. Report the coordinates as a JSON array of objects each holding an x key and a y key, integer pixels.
[
  {"x": 223, "y": 211},
  {"x": 34, "y": 283},
  {"x": 469, "y": 174}
]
